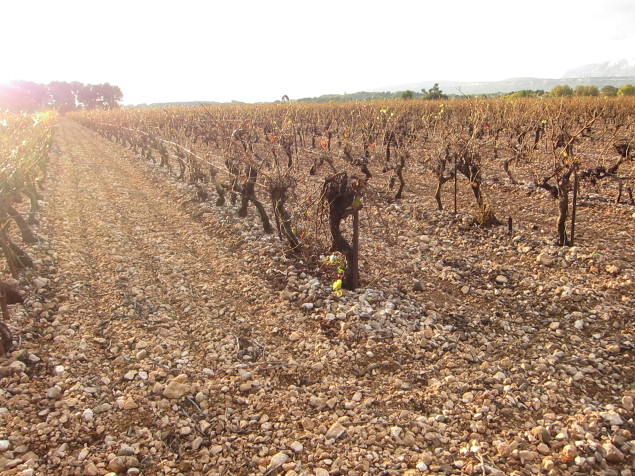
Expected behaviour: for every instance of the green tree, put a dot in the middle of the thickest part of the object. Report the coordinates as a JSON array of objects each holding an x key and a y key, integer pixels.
[
  {"x": 561, "y": 91},
  {"x": 608, "y": 91},
  {"x": 525, "y": 93},
  {"x": 407, "y": 94},
  {"x": 626, "y": 90},
  {"x": 434, "y": 93},
  {"x": 586, "y": 91}
]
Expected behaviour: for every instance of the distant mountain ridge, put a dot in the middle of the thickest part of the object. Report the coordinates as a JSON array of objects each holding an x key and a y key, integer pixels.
[
  {"x": 511, "y": 85},
  {"x": 610, "y": 73},
  {"x": 617, "y": 69}
]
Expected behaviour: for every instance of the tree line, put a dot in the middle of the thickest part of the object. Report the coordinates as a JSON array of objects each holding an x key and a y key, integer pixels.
[{"x": 62, "y": 96}]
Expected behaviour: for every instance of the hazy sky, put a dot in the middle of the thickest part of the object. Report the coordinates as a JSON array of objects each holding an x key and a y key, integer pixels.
[{"x": 180, "y": 50}]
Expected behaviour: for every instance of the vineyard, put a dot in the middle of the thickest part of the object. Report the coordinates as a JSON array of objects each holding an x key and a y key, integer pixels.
[
  {"x": 310, "y": 162},
  {"x": 400, "y": 287},
  {"x": 24, "y": 144}
]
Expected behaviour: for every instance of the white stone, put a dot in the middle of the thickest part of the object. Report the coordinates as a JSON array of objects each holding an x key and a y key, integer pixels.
[
  {"x": 88, "y": 415},
  {"x": 278, "y": 459},
  {"x": 336, "y": 430},
  {"x": 54, "y": 392},
  {"x": 612, "y": 418}
]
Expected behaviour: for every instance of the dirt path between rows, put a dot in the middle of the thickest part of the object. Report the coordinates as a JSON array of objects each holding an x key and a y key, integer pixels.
[
  {"x": 164, "y": 337},
  {"x": 143, "y": 294}
]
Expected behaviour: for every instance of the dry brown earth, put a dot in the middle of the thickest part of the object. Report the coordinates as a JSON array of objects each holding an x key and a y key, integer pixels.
[{"x": 167, "y": 338}]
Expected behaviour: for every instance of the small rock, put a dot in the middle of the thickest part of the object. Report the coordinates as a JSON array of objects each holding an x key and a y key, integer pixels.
[
  {"x": 54, "y": 392},
  {"x": 125, "y": 450},
  {"x": 9, "y": 463},
  {"x": 296, "y": 446},
  {"x": 612, "y": 417},
  {"x": 40, "y": 282},
  {"x": 336, "y": 430},
  {"x": 216, "y": 449},
  {"x": 18, "y": 366},
  {"x": 196, "y": 444},
  {"x": 548, "y": 464},
  {"x": 541, "y": 433},
  {"x": 421, "y": 466},
  {"x": 4, "y": 445},
  {"x": 317, "y": 402},
  {"x": 499, "y": 376},
  {"x": 278, "y": 459},
  {"x": 308, "y": 424},
  {"x": 90, "y": 469},
  {"x": 627, "y": 402},
  {"x": 613, "y": 455},
  {"x": 286, "y": 295},
  {"x": 129, "y": 404},
  {"x": 544, "y": 259},
  {"x": 417, "y": 286},
  {"x": 500, "y": 279},
  {"x": 88, "y": 415},
  {"x": 527, "y": 456},
  {"x": 130, "y": 375},
  {"x": 568, "y": 452},
  {"x": 119, "y": 464},
  {"x": 102, "y": 408},
  {"x": 175, "y": 390},
  {"x": 295, "y": 336}
]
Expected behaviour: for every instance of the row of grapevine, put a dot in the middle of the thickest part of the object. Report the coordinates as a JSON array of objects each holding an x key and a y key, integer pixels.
[
  {"x": 312, "y": 166},
  {"x": 25, "y": 142}
]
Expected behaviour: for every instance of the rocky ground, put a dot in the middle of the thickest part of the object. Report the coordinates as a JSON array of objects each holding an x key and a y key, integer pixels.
[{"x": 165, "y": 337}]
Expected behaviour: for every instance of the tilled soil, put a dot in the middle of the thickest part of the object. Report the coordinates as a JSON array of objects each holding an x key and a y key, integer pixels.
[{"x": 165, "y": 336}]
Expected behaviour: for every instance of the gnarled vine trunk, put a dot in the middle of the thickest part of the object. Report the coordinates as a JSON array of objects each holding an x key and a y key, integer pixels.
[
  {"x": 343, "y": 196},
  {"x": 248, "y": 194}
]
